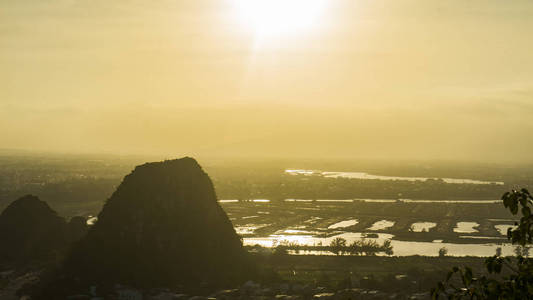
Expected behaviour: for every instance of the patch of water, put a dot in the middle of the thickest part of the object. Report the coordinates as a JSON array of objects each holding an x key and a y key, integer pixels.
[
  {"x": 452, "y": 201},
  {"x": 228, "y": 201},
  {"x": 91, "y": 220},
  {"x": 298, "y": 200},
  {"x": 343, "y": 224},
  {"x": 502, "y": 228},
  {"x": 422, "y": 226},
  {"x": 422, "y": 201},
  {"x": 481, "y": 237},
  {"x": 313, "y": 220},
  {"x": 310, "y": 252},
  {"x": 310, "y": 240},
  {"x": 248, "y": 228},
  {"x": 244, "y": 230},
  {"x": 380, "y": 225},
  {"x": 363, "y": 175},
  {"x": 334, "y": 200},
  {"x": 466, "y": 227},
  {"x": 297, "y": 231},
  {"x": 377, "y": 200},
  {"x": 400, "y": 248},
  {"x": 302, "y": 172}
]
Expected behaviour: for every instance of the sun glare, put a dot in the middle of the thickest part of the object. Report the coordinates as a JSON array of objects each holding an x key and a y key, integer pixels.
[{"x": 279, "y": 17}]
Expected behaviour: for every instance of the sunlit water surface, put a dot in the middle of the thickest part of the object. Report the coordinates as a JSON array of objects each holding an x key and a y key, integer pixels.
[
  {"x": 363, "y": 175},
  {"x": 400, "y": 248},
  {"x": 380, "y": 225},
  {"x": 466, "y": 227},
  {"x": 343, "y": 224},
  {"x": 422, "y": 226}
]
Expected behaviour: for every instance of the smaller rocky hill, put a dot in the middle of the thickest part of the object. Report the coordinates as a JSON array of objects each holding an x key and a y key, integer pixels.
[{"x": 30, "y": 230}]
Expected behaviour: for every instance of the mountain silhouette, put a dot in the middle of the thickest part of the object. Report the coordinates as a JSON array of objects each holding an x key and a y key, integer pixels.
[
  {"x": 162, "y": 226},
  {"x": 77, "y": 228},
  {"x": 31, "y": 230}
]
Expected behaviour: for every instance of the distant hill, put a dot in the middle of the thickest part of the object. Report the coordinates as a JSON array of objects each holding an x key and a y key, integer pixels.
[
  {"x": 162, "y": 226},
  {"x": 30, "y": 230}
]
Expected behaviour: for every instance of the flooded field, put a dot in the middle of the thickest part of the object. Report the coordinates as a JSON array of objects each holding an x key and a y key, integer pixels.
[
  {"x": 414, "y": 228},
  {"x": 466, "y": 227},
  {"x": 422, "y": 226},
  {"x": 343, "y": 224},
  {"x": 502, "y": 228},
  {"x": 363, "y": 175},
  {"x": 385, "y": 201},
  {"x": 380, "y": 225}
]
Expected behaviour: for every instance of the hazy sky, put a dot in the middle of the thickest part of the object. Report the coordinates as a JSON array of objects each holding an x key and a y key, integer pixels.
[{"x": 362, "y": 78}]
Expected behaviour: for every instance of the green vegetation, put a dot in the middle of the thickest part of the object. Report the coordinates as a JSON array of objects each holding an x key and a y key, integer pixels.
[
  {"x": 393, "y": 275},
  {"x": 360, "y": 247},
  {"x": 338, "y": 246},
  {"x": 509, "y": 277}
]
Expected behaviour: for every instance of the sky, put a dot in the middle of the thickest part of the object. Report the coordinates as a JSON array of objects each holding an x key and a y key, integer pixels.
[{"x": 395, "y": 79}]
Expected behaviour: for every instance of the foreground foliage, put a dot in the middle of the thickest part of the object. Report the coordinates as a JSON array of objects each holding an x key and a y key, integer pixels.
[{"x": 509, "y": 277}]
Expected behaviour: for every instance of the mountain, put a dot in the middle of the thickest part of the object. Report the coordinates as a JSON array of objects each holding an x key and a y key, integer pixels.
[
  {"x": 31, "y": 230},
  {"x": 77, "y": 228},
  {"x": 162, "y": 226}
]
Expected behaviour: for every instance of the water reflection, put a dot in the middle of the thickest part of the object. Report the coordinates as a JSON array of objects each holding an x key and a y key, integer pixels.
[
  {"x": 245, "y": 230},
  {"x": 261, "y": 200},
  {"x": 401, "y": 248},
  {"x": 452, "y": 201},
  {"x": 343, "y": 224},
  {"x": 313, "y": 220},
  {"x": 297, "y": 232},
  {"x": 367, "y": 176},
  {"x": 422, "y": 226},
  {"x": 481, "y": 237},
  {"x": 334, "y": 200},
  {"x": 502, "y": 228},
  {"x": 298, "y": 200},
  {"x": 249, "y": 229},
  {"x": 466, "y": 227},
  {"x": 228, "y": 201},
  {"x": 380, "y": 225},
  {"x": 91, "y": 220},
  {"x": 377, "y": 200},
  {"x": 495, "y": 201}
]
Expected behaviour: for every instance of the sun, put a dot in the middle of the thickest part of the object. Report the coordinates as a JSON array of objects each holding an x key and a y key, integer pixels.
[{"x": 279, "y": 17}]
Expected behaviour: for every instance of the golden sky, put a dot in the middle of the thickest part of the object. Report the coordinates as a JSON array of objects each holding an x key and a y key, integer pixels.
[{"x": 317, "y": 78}]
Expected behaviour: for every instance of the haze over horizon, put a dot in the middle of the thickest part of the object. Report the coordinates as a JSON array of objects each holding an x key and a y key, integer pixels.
[{"x": 387, "y": 79}]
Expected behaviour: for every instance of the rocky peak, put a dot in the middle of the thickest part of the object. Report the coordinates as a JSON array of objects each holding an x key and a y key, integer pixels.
[
  {"x": 30, "y": 229},
  {"x": 163, "y": 225}
]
